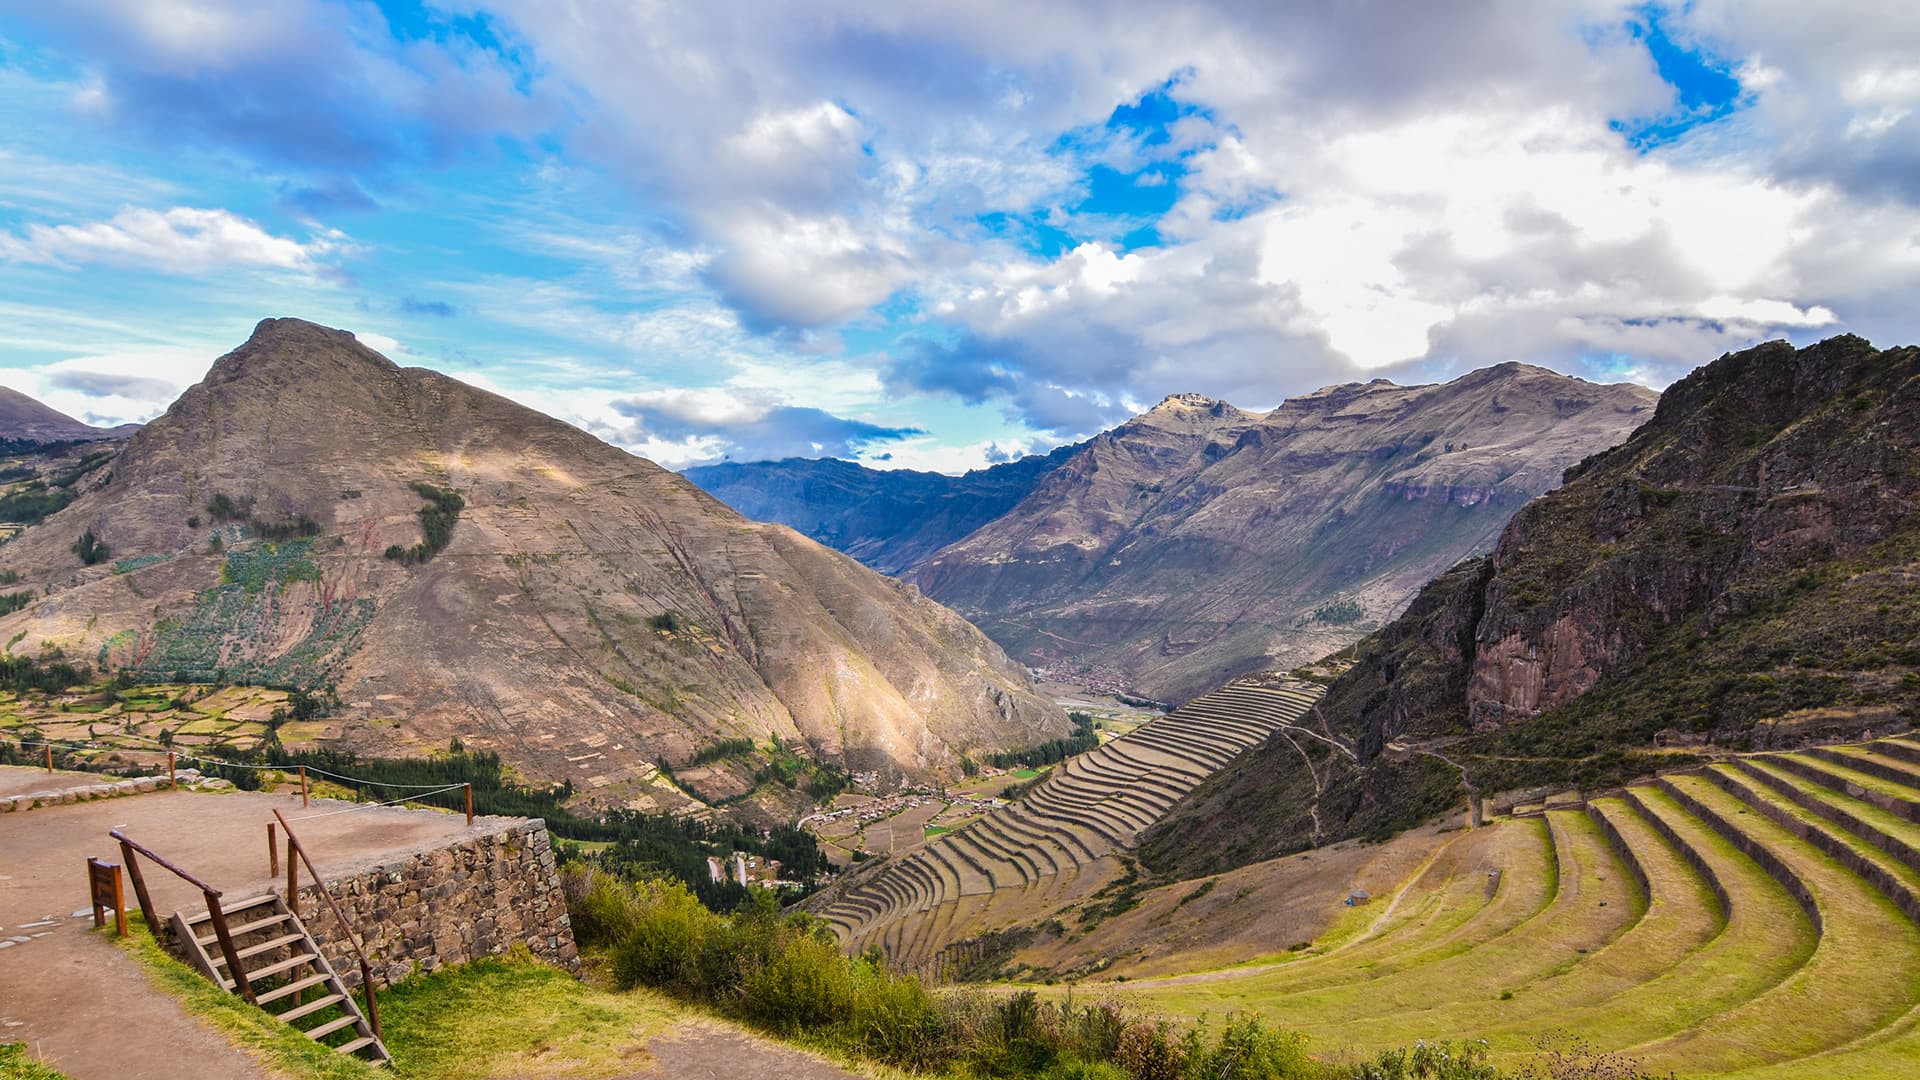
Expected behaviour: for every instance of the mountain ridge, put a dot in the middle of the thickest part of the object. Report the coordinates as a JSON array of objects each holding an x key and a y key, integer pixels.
[
  {"x": 591, "y": 614},
  {"x": 889, "y": 519},
  {"x": 1147, "y": 561},
  {"x": 1730, "y": 577},
  {"x": 28, "y": 419}
]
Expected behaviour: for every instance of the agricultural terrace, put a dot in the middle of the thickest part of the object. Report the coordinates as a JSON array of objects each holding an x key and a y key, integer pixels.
[
  {"x": 1059, "y": 843},
  {"x": 104, "y": 723},
  {"x": 1753, "y": 919}
]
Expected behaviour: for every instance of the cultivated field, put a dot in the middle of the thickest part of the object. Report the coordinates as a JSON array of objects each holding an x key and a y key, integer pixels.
[
  {"x": 1060, "y": 842},
  {"x": 1753, "y": 919}
]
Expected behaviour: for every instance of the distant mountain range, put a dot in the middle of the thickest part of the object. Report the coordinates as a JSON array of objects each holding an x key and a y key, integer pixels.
[
  {"x": 888, "y": 519},
  {"x": 1737, "y": 575},
  {"x": 454, "y": 565},
  {"x": 1198, "y": 541},
  {"x": 26, "y": 420}
]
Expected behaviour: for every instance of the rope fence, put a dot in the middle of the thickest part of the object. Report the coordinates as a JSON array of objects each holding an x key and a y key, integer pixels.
[{"x": 422, "y": 791}]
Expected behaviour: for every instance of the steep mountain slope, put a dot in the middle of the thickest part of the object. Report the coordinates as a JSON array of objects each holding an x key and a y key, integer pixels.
[
  {"x": 1197, "y": 542},
  {"x": 1739, "y": 573},
  {"x": 590, "y": 615},
  {"x": 27, "y": 420},
  {"x": 888, "y": 519}
]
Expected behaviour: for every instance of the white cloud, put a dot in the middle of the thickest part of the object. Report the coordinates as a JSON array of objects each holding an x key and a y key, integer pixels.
[
  {"x": 179, "y": 240},
  {"x": 110, "y": 388}
]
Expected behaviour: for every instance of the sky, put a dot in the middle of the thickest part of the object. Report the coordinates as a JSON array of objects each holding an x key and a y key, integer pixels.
[{"x": 940, "y": 235}]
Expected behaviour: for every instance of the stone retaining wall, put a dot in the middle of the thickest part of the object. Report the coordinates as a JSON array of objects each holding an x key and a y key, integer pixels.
[
  {"x": 83, "y": 793},
  {"x": 476, "y": 898}
]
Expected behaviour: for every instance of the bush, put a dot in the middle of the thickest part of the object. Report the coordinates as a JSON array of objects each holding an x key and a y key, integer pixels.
[
  {"x": 90, "y": 549},
  {"x": 661, "y": 943},
  {"x": 806, "y": 985}
]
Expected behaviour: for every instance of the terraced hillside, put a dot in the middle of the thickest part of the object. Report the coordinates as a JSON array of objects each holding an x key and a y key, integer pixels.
[
  {"x": 1059, "y": 842},
  {"x": 1759, "y": 917}
]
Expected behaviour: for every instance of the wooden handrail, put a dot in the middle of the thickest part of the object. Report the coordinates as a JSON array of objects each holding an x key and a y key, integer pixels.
[
  {"x": 320, "y": 886},
  {"x": 129, "y": 848},
  {"x": 151, "y": 854}
]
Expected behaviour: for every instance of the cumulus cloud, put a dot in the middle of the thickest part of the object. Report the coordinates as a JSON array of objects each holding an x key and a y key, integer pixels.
[
  {"x": 179, "y": 240},
  {"x": 308, "y": 83},
  {"x": 1354, "y": 189}
]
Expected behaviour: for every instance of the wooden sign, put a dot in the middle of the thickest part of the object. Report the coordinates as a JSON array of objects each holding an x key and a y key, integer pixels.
[{"x": 103, "y": 882}]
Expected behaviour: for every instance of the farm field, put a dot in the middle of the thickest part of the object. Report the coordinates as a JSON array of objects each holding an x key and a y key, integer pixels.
[
  {"x": 138, "y": 723},
  {"x": 1758, "y": 918}
]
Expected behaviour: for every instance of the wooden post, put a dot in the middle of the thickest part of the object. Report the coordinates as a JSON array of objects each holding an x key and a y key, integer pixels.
[
  {"x": 49, "y": 749},
  {"x": 273, "y": 851},
  {"x": 119, "y": 905},
  {"x": 103, "y": 889},
  {"x": 240, "y": 980},
  {"x": 139, "y": 888},
  {"x": 172, "y": 782},
  {"x": 469, "y": 802},
  {"x": 293, "y": 877},
  {"x": 366, "y": 990},
  {"x": 303, "y": 787}
]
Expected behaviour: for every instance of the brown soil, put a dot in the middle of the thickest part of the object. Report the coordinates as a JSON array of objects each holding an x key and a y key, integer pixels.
[{"x": 709, "y": 1051}]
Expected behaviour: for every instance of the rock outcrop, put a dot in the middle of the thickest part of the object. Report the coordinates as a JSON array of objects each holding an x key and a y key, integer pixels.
[{"x": 1737, "y": 574}]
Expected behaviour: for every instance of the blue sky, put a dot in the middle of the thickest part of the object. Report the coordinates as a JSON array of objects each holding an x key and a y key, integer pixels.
[{"x": 942, "y": 235}]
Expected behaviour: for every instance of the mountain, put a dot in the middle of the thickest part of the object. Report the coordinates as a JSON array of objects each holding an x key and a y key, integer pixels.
[
  {"x": 25, "y": 420},
  {"x": 888, "y": 519},
  {"x": 1737, "y": 575},
  {"x": 1197, "y": 542},
  {"x": 454, "y": 565}
]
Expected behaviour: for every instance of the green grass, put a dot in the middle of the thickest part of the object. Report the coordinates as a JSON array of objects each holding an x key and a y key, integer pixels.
[
  {"x": 1860, "y": 977},
  {"x": 1024, "y": 774},
  {"x": 16, "y": 1065},
  {"x": 514, "y": 1016}
]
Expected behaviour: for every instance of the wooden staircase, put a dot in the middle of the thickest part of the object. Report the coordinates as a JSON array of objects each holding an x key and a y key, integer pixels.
[{"x": 291, "y": 967}]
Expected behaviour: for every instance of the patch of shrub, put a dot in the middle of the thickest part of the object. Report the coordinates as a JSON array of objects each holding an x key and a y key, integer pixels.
[
  {"x": 437, "y": 519},
  {"x": 90, "y": 549}
]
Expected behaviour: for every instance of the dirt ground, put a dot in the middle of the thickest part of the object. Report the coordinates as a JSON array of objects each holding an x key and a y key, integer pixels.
[
  {"x": 63, "y": 989},
  {"x": 704, "y": 1051}
]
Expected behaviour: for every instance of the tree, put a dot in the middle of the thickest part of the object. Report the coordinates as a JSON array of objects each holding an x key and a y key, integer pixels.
[{"x": 90, "y": 549}]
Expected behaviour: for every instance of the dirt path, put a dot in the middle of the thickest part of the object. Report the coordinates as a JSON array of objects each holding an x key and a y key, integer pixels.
[
  {"x": 708, "y": 1051},
  {"x": 74, "y": 997}
]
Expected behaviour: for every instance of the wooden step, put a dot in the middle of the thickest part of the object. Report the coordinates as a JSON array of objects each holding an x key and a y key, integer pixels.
[
  {"x": 313, "y": 1006},
  {"x": 290, "y": 989},
  {"x": 361, "y": 1044},
  {"x": 244, "y": 928},
  {"x": 290, "y": 964},
  {"x": 234, "y": 908},
  {"x": 264, "y": 947},
  {"x": 332, "y": 1026}
]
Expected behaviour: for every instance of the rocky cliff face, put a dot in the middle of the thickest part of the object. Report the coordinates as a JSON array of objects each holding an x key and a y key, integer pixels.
[
  {"x": 590, "y": 615},
  {"x": 1736, "y": 574},
  {"x": 887, "y": 519},
  {"x": 1198, "y": 542}
]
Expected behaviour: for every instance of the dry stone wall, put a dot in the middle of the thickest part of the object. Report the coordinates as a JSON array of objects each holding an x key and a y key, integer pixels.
[{"x": 476, "y": 898}]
